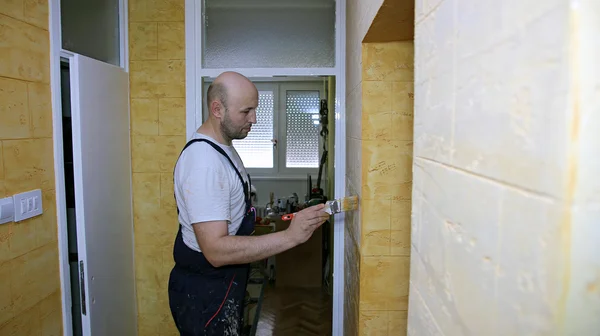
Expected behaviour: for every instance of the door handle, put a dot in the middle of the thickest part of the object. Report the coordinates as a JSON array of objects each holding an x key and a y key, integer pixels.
[{"x": 82, "y": 287}]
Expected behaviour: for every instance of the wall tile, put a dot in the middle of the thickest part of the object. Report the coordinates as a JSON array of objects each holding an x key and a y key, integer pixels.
[
  {"x": 46, "y": 229},
  {"x": 12, "y": 8},
  {"x": 171, "y": 40},
  {"x": 144, "y": 116},
  {"x": 1, "y": 167},
  {"x": 384, "y": 283},
  {"x": 167, "y": 199},
  {"x": 402, "y": 107},
  {"x": 377, "y": 97},
  {"x": 388, "y": 61},
  {"x": 23, "y": 237},
  {"x": 403, "y": 97},
  {"x": 376, "y": 110},
  {"x": 6, "y": 303},
  {"x": 143, "y": 41},
  {"x": 33, "y": 276},
  {"x": 24, "y": 52},
  {"x": 375, "y": 228},
  {"x": 397, "y": 322},
  {"x": 51, "y": 315},
  {"x": 152, "y": 223},
  {"x": 433, "y": 124},
  {"x": 14, "y": 115},
  {"x": 5, "y": 233},
  {"x": 171, "y": 112},
  {"x": 157, "y": 79},
  {"x": 28, "y": 164},
  {"x": 36, "y": 13},
  {"x": 27, "y": 323},
  {"x": 529, "y": 272},
  {"x": 381, "y": 167},
  {"x": 374, "y": 323},
  {"x": 377, "y": 126},
  {"x": 517, "y": 140},
  {"x": 40, "y": 109},
  {"x": 156, "y": 10},
  {"x": 146, "y": 192},
  {"x": 400, "y": 228},
  {"x": 155, "y": 154}
]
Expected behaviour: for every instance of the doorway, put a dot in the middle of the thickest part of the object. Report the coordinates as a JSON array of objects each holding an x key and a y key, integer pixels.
[
  {"x": 289, "y": 155},
  {"x": 69, "y": 204},
  {"x": 92, "y": 156},
  {"x": 309, "y": 41}
]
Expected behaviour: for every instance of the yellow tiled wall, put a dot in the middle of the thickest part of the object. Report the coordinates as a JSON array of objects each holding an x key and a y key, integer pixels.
[
  {"x": 360, "y": 14},
  {"x": 506, "y": 188},
  {"x": 157, "y": 80},
  {"x": 30, "y": 297},
  {"x": 386, "y": 168},
  {"x": 379, "y": 121}
]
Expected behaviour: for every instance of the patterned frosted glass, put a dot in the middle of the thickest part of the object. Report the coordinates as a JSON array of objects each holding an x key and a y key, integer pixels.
[
  {"x": 91, "y": 28},
  {"x": 256, "y": 150},
  {"x": 269, "y": 34},
  {"x": 302, "y": 141}
]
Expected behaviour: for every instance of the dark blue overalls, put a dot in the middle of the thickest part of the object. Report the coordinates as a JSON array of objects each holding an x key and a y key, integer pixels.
[{"x": 207, "y": 300}]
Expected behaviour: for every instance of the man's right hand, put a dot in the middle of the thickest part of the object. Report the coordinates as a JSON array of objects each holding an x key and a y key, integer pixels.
[{"x": 305, "y": 222}]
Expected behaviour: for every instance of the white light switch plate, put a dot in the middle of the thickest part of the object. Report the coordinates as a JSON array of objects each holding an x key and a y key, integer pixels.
[
  {"x": 28, "y": 204},
  {"x": 7, "y": 213}
]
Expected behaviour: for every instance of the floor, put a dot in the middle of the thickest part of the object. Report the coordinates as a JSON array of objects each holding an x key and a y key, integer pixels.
[{"x": 295, "y": 311}]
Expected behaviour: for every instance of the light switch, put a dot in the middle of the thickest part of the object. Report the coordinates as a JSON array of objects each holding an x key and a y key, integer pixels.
[
  {"x": 30, "y": 204},
  {"x": 7, "y": 210}
]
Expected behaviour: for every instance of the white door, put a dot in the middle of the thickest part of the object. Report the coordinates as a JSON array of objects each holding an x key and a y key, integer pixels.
[{"x": 102, "y": 171}]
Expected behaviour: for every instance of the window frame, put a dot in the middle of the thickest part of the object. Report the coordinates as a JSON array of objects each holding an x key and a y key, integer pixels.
[
  {"x": 283, "y": 88},
  {"x": 279, "y": 90}
]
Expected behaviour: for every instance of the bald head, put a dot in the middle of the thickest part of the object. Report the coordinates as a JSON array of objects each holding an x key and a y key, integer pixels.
[
  {"x": 227, "y": 84},
  {"x": 232, "y": 100}
]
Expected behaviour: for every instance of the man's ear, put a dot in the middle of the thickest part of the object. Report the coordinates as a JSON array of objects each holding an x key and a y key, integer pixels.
[{"x": 216, "y": 109}]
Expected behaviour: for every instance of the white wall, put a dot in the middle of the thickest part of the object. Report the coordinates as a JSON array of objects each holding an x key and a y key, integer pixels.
[{"x": 506, "y": 198}]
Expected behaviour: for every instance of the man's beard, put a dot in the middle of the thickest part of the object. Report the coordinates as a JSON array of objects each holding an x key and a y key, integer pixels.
[{"x": 229, "y": 130}]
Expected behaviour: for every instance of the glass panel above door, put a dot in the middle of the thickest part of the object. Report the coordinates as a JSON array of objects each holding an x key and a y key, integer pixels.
[
  {"x": 268, "y": 34},
  {"x": 91, "y": 28}
]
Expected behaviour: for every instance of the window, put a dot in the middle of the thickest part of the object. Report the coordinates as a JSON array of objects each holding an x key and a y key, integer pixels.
[
  {"x": 256, "y": 150},
  {"x": 286, "y": 139},
  {"x": 302, "y": 125}
]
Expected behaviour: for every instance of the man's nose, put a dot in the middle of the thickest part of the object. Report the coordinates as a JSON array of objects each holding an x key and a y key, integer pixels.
[{"x": 253, "y": 117}]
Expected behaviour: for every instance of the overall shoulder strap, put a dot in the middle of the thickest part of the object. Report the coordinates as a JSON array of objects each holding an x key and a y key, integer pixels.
[{"x": 220, "y": 150}]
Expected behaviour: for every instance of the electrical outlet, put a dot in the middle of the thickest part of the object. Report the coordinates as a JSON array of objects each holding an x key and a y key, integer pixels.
[
  {"x": 7, "y": 213},
  {"x": 28, "y": 204}
]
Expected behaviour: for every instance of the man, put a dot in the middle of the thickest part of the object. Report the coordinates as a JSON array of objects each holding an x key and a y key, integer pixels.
[{"x": 214, "y": 245}]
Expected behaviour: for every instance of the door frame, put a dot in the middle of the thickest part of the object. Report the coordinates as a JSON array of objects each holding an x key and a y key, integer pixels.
[
  {"x": 56, "y": 53},
  {"x": 194, "y": 74}
]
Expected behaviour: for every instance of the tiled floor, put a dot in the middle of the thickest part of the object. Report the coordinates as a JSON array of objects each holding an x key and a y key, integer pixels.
[{"x": 295, "y": 312}]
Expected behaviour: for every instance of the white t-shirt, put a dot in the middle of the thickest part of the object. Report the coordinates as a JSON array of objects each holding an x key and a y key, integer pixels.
[{"x": 208, "y": 189}]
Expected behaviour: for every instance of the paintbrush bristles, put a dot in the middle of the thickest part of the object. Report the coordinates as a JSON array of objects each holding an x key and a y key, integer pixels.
[{"x": 349, "y": 203}]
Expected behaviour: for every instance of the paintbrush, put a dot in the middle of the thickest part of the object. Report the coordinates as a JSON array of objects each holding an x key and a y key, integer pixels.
[{"x": 348, "y": 203}]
